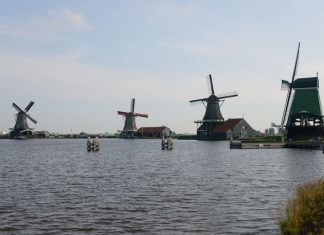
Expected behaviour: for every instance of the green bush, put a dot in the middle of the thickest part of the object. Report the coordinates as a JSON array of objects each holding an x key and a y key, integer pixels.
[{"x": 304, "y": 213}]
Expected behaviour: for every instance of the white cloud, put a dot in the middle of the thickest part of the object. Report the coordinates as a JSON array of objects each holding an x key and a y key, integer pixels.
[
  {"x": 8, "y": 30},
  {"x": 61, "y": 20},
  {"x": 26, "y": 33},
  {"x": 40, "y": 74},
  {"x": 49, "y": 27}
]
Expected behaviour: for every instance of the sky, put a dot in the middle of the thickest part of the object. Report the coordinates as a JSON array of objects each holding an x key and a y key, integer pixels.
[{"x": 82, "y": 61}]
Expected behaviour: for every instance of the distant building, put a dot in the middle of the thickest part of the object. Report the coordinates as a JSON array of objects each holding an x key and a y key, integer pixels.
[
  {"x": 271, "y": 131},
  {"x": 151, "y": 132},
  {"x": 236, "y": 127},
  {"x": 41, "y": 134}
]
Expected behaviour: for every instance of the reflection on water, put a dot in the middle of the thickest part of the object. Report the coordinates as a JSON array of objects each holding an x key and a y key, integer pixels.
[{"x": 56, "y": 186}]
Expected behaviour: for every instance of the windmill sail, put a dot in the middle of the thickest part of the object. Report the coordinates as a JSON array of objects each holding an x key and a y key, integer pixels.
[
  {"x": 290, "y": 88},
  {"x": 141, "y": 115},
  {"x": 29, "y": 106},
  {"x": 285, "y": 85},
  {"x": 227, "y": 95},
  {"x": 16, "y": 107},
  {"x": 198, "y": 100},
  {"x": 30, "y": 118},
  {"x": 133, "y": 105},
  {"x": 210, "y": 85}
]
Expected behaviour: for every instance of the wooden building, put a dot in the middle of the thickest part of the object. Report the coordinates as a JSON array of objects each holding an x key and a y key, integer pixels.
[
  {"x": 233, "y": 128},
  {"x": 151, "y": 132}
]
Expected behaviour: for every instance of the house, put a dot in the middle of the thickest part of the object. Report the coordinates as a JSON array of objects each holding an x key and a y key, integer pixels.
[
  {"x": 151, "y": 132},
  {"x": 233, "y": 128}
]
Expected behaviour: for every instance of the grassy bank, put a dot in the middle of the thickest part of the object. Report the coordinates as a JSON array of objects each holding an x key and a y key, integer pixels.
[{"x": 304, "y": 212}]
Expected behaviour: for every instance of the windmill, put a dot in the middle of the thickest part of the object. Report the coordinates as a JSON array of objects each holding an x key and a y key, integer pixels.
[
  {"x": 213, "y": 115},
  {"x": 302, "y": 115},
  {"x": 130, "y": 124},
  {"x": 21, "y": 128}
]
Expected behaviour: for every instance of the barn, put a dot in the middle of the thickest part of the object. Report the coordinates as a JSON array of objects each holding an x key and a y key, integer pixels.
[
  {"x": 151, "y": 132},
  {"x": 233, "y": 128}
]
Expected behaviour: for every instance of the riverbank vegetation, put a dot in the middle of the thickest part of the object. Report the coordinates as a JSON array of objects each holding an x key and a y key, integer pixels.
[{"x": 304, "y": 212}]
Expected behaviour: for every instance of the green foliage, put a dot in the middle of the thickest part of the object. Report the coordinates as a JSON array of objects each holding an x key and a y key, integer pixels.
[
  {"x": 304, "y": 213},
  {"x": 274, "y": 138},
  {"x": 185, "y": 137}
]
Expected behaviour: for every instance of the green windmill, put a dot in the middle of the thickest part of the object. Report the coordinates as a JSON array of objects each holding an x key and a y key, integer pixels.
[{"x": 302, "y": 117}]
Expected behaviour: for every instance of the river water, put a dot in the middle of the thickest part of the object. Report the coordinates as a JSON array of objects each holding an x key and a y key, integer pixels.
[{"x": 132, "y": 186}]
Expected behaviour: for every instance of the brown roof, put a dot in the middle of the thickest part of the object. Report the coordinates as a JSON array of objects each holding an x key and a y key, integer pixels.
[
  {"x": 229, "y": 124},
  {"x": 146, "y": 130}
]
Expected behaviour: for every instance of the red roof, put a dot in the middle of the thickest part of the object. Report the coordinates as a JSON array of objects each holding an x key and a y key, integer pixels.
[
  {"x": 148, "y": 130},
  {"x": 229, "y": 124}
]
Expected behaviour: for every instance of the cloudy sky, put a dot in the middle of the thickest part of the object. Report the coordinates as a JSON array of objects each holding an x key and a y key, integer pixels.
[{"x": 81, "y": 61}]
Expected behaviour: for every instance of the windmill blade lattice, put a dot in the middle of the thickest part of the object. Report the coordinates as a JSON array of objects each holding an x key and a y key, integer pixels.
[
  {"x": 132, "y": 105},
  {"x": 210, "y": 84},
  {"x": 30, "y": 118},
  {"x": 290, "y": 88},
  {"x": 197, "y": 101},
  {"x": 141, "y": 115},
  {"x": 285, "y": 85},
  {"x": 17, "y": 107},
  {"x": 227, "y": 95},
  {"x": 122, "y": 113},
  {"x": 29, "y": 106}
]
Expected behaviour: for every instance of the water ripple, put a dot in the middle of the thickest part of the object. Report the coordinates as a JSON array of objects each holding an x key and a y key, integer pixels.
[{"x": 56, "y": 187}]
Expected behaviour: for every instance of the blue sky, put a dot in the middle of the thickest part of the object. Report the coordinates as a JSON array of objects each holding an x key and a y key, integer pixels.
[{"x": 81, "y": 61}]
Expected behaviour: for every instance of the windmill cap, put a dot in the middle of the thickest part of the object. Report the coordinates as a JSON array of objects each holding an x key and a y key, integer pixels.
[{"x": 311, "y": 82}]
